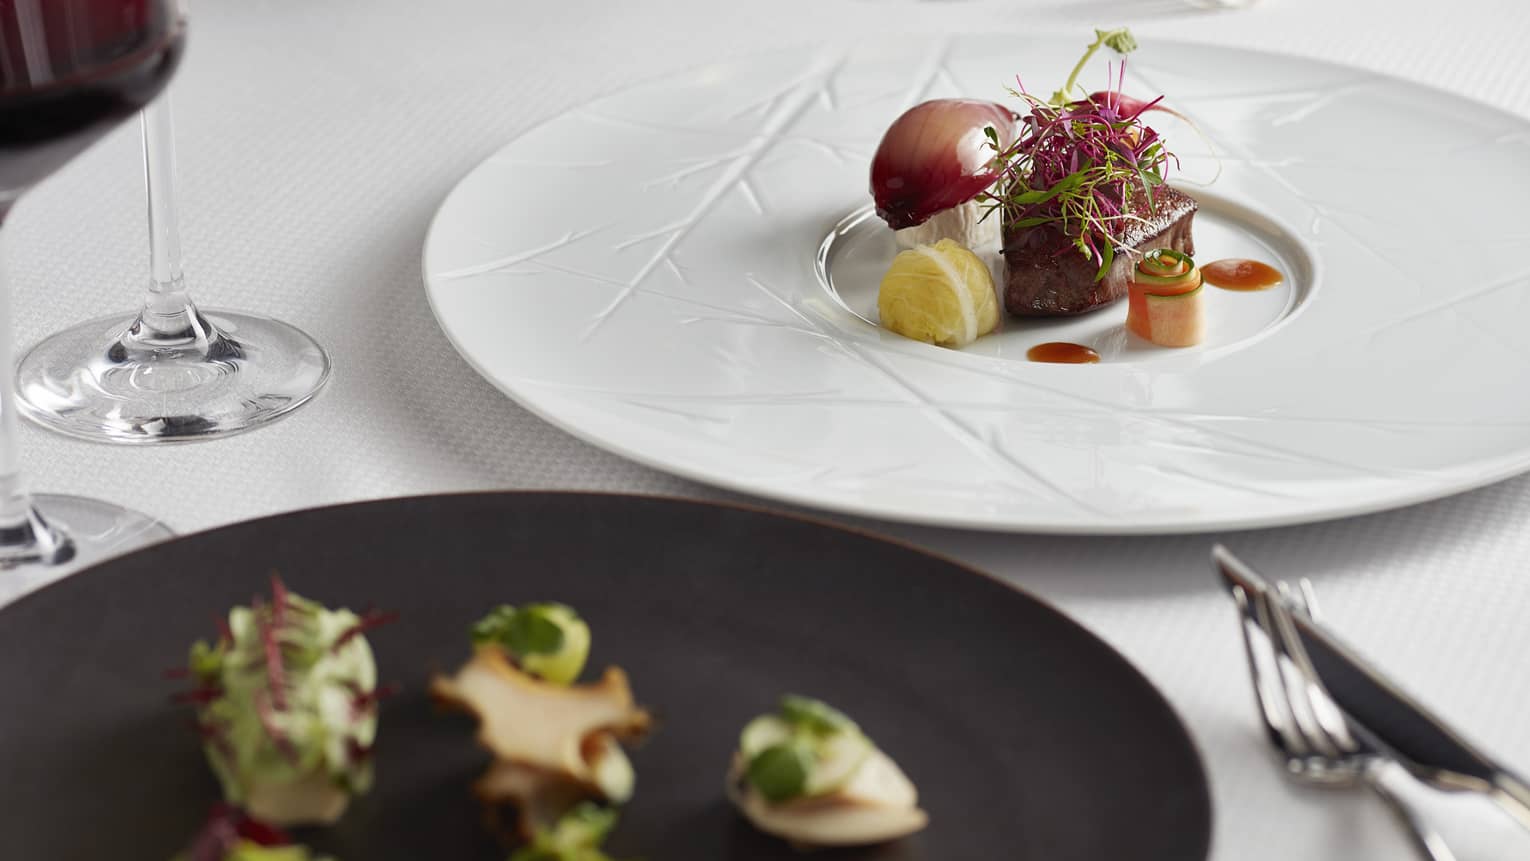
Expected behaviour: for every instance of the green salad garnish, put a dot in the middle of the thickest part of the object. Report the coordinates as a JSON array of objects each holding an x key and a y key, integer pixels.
[
  {"x": 547, "y": 640},
  {"x": 577, "y": 836}
]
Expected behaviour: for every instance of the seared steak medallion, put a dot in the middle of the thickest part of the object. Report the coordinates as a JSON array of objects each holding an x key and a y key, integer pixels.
[{"x": 1046, "y": 276}]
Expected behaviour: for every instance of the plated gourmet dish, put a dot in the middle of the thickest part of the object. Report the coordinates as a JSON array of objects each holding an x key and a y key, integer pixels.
[
  {"x": 286, "y": 704},
  {"x": 1067, "y": 196}
]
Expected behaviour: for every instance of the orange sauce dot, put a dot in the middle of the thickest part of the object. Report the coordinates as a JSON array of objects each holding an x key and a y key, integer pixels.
[{"x": 1239, "y": 274}]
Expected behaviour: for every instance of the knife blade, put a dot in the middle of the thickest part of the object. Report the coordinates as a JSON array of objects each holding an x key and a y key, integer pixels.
[{"x": 1393, "y": 720}]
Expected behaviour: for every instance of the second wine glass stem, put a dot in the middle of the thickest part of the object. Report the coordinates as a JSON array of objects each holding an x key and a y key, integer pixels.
[{"x": 24, "y": 535}]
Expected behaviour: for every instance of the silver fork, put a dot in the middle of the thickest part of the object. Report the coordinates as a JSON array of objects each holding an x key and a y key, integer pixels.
[{"x": 1304, "y": 723}]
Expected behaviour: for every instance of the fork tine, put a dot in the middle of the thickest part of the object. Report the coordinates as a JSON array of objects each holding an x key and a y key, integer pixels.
[
  {"x": 1329, "y": 716},
  {"x": 1309, "y": 602},
  {"x": 1294, "y": 681},
  {"x": 1328, "y": 728},
  {"x": 1273, "y": 705}
]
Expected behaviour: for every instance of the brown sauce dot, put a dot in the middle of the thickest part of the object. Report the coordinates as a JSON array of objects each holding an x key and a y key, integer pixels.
[{"x": 1062, "y": 352}]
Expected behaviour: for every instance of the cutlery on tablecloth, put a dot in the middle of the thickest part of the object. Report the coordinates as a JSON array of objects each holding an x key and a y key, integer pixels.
[{"x": 1342, "y": 711}]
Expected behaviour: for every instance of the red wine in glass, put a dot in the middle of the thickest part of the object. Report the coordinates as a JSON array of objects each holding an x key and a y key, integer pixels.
[{"x": 71, "y": 70}]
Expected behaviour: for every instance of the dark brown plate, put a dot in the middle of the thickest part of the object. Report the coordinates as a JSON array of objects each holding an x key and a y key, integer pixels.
[{"x": 1028, "y": 737}]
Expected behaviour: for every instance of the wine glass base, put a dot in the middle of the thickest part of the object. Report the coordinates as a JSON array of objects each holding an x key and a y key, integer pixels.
[
  {"x": 95, "y": 530},
  {"x": 78, "y": 382}
]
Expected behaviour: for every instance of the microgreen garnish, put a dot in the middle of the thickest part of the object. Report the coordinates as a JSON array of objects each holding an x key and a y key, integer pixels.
[
  {"x": 267, "y": 624},
  {"x": 576, "y": 836},
  {"x": 525, "y": 631},
  {"x": 364, "y": 701},
  {"x": 370, "y": 618},
  {"x": 1082, "y": 164},
  {"x": 1119, "y": 40}
]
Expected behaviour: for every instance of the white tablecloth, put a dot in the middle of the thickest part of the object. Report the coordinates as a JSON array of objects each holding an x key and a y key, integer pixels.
[{"x": 318, "y": 137}]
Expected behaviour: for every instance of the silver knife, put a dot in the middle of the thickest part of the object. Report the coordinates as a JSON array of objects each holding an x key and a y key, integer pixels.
[{"x": 1392, "y": 720}]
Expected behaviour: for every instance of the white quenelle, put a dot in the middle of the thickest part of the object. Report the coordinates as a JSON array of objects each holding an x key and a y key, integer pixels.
[{"x": 809, "y": 775}]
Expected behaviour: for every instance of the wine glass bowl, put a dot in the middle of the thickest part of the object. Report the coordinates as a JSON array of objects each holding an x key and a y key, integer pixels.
[{"x": 70, "y": 71}]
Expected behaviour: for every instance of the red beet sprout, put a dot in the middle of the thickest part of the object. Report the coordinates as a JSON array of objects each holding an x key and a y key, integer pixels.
[
  {"x": 279, "y": 602},
  {"x": 362, "y": 701},
  {"x": 368, "y": 620},
  {"x": 1087, "y": 167},
  {"x": 267, "y": 716},
  {"x": 276, "y": 670}
]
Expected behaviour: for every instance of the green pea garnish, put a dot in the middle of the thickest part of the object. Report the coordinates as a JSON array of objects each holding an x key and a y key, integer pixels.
[{"x": 780, "y": 772}]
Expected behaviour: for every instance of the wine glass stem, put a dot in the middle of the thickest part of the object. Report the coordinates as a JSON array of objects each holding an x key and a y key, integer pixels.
[
  {"x": 169, "y": 320},
  {"x": 24, "y": 535},
  {"x": 159, "y": 176}
]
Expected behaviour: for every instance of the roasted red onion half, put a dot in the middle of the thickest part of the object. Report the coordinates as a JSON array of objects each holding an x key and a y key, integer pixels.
[{"x": 936, "y": 156}]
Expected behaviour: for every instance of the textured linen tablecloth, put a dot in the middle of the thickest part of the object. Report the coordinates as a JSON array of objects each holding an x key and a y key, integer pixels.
[{"x": 318, "y": 137}]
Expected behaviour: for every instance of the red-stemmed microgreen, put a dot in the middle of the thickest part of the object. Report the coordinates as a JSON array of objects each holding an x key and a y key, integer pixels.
[
  {"x": 370, "y": 618},
  {"x": 279, "y": 739},
  {"x": 365, "y": 701},
  {"x": 1082, "y": 165},
  {"x": 266, "y": 626}
]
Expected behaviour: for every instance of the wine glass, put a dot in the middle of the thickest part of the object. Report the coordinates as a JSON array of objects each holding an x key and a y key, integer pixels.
[
  {"x": 70, "y": 70},
  {"x": 173, "y": 373}
]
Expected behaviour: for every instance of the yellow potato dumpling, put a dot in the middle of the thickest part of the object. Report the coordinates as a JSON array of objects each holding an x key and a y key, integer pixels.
[{"x": 940, "y": 294}]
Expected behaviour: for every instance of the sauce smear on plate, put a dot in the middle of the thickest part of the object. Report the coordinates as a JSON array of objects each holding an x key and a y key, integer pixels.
[
  {"x": 1239, "y": 274},
  {"x": 1062, "y": 352}
]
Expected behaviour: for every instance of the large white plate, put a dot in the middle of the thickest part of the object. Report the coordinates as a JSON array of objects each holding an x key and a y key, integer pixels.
[{"x": 651, "y": 273}]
